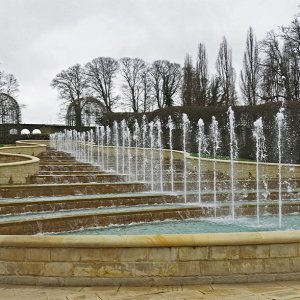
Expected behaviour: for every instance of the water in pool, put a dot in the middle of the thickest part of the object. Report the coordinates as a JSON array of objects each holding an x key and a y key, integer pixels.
[{"x": 193, "y": 226}]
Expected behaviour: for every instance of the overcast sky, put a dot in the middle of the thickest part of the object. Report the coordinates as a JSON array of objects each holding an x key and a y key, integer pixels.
[{"x": 39, "y": 38}]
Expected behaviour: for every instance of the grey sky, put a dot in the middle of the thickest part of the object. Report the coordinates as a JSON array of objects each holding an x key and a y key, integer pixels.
[{"x": 39, "y": 38}]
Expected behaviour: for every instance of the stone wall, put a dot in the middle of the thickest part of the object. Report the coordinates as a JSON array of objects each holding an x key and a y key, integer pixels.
[
  {"x": 243, "y": 169},
  {"x": 150, "y": 260},
  {"x": 17, "y": 172},
  {"x": 18, "y": 162}
]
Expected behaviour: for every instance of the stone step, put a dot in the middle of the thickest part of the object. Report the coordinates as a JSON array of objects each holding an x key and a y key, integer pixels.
[
  {"x": 34, "y": 190},
  {"x": 71, "y": 172},
  {"x": 74, "y": 178},
  {"x": 66, "y": 167},
  {"x": 84, "y": 219},
  {"x": 63, "y": 162},
  {"x": 17, "y": 206}
]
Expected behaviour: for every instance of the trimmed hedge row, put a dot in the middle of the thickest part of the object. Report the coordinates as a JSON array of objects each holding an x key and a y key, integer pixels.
[{"x": 244, "y": 116}]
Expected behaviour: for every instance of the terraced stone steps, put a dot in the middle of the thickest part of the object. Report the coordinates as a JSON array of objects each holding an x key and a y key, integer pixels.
[
  {"x": 46, "y": 204},
  {"x": 35, "y": 190},
  {"x": 74, "y": 220},
  {"x": 74, "y": 178}
]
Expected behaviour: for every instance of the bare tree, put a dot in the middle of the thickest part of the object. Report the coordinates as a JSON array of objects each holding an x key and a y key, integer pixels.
[
  {"x": 147, "y": 100},
  {"x": 291, "y": 34},
  {"x": 157, "y": 82},
  {"x": 291, "y": 37},
  {"x": 11, "y": 86},
  {"x": 250, "y": 74},
  {"x": 275, "y": 77},
  {"x": 201, "y": 80},
  {"x": 214, "y": 91},
  {"x": 100, "y": 74},
  {"x": 166, "y": 80},
  {"x": 132, "y": 70},
  {"x": 71, "y": 85},
  {"x": 226, "y": 74},
  {"x": 187, "y": 81}
]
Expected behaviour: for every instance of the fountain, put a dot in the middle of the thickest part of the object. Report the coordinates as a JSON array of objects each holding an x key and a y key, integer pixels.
[
  {"x": 171, "y": 128},
  {"x": 124, "y": 131},
  {"x": 160, "y": 148},
  {"x": 233, "y": 156},
  {"x": 185, "y": 127},
  {"x": 215, "y": 138},
  {"x": 201, "y": 149},
  {"x": 144, "y": 135},
  {"x": 280, "y": 124},
  {"x": 136, "y": 135},
  {"x": 163, "y": 226},
  {"x": 116, "y": 130},
  {"x": 260, "y": 154}
]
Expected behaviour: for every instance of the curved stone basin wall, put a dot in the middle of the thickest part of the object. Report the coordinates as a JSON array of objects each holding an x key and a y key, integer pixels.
[
  {"x": 17, "y": 171},
  {"x": 151, "y": 259},
  {"x": 243, "y": 169},
  {"x": 17, "y": 163}
]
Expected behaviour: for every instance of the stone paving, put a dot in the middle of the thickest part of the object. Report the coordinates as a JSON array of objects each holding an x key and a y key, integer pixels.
[{"x": 260, "y": 291}]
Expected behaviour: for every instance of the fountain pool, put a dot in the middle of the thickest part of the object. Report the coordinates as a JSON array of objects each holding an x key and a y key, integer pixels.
[{"x": 196, "y": 226}]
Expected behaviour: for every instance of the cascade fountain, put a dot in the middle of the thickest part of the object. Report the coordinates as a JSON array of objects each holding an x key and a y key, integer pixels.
[{"x": 123, "y": 153}]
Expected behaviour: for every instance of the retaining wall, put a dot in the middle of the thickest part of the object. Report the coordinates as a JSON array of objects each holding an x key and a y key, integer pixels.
[
  {"x": 18, "y": 162},
  {"x": 150, "y": 260}
]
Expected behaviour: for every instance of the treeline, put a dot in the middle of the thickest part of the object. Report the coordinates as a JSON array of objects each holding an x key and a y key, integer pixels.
[
  {"x": 270, "y": 73},
  {"x": 145, "y": 87}
]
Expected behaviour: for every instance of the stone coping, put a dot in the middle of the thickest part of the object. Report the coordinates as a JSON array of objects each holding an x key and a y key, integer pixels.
[
  {"x": 28, "y": 159},
  {"x": 149, "y": 241}
]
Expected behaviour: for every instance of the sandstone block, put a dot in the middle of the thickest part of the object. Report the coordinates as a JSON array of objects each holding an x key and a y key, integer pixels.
[
  {"x": 255, "y": 251},
  {"x": 37, "y": 254},
  {"x": 58, "y": 269},
  {"x": 225, "y": 252},
  {"x": 277, "y": 265},
  {"x": 162, "y": 254},
  {"x": 12, "y": 254},
  {"x": 192, "y": 253},
  {"x": 214, "y": 267},
  {"x": 246, "y": 266},
  {"x": 64, "y": 254},
  {"x": 116, "y": 269},
  {"x": 283, "y": 250}
]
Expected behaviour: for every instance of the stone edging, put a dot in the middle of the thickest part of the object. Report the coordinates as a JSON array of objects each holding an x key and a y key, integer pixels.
[{"x": 163, "y": 240}]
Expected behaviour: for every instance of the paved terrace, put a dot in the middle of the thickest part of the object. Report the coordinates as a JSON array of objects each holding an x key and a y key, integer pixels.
[{"x": 256, "y": 291}]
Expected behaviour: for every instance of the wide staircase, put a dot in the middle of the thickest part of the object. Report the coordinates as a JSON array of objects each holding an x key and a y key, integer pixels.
[{"x": 68, "y": 195}]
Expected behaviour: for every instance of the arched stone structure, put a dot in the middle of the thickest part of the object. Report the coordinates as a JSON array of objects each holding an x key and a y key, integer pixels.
[
  {"x": 91, "y": 111},
  {"x": 9, "y": 110},
  {"x": 6, "y": 137}
]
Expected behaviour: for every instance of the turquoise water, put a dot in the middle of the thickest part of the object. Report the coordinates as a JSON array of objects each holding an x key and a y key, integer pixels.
[{"x": 208, "y": 225}]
